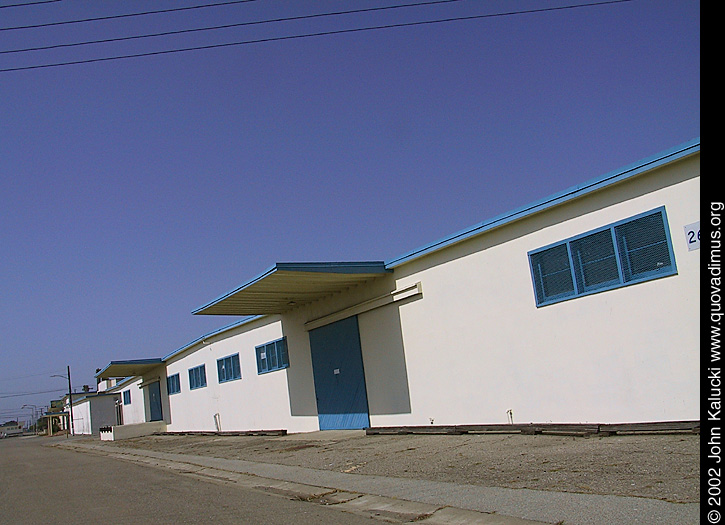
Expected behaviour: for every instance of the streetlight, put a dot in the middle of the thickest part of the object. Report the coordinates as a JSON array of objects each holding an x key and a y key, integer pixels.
[
  {"x": 70, "y": 400},
  {"x": 34, "y": 409}
]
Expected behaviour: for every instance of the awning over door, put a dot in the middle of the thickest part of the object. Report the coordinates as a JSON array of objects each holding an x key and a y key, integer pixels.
[{"x": 288, "y": 285}]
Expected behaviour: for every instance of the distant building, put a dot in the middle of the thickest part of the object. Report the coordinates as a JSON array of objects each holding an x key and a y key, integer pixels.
[
  {"x": 92, "y": 411},
  {"x": 10, "y": 429},
  {"x": 581, "y": 307}
]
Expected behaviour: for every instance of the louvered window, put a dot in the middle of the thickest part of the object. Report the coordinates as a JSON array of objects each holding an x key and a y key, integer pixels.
[
  {"x": 629, "y": 251},
  {"x": 197, "y": 377},
  {"x": 173, "y": 385},
  {"x": 228, "y": 368},
  {"x": 272, "y": 356}
]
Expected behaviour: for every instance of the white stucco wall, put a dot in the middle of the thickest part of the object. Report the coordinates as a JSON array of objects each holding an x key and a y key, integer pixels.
[
  {"x": 254, "y": 402},
  {"x": 476, "y": 345},
  {"x": 82, "y": 417},
  {"x": 135, "y": 412}
]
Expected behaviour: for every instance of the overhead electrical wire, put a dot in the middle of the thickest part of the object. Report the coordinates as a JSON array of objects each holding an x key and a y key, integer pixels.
[
  {"x": 229, "y": 26},
  {"x": 29, "y": 3},
  {"x": 127, "y": 15},
  {"x": 21, "y": 394},
  {"x": 30, "y": 375},
  {"x": 308, "y": 35}
]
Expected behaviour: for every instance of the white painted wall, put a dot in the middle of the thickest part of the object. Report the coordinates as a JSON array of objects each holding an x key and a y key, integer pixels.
[
  {"x": 476, "y": 345},
  {"x": 135, "y": 412},
  {"x": 82, "y": 417},
  {"x": 254, "y": 402}
]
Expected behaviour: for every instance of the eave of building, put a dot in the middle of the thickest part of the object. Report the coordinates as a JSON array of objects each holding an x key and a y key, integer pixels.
[
  {"x": 130, "y": 368},
  {"x": 289, "y": 285}
]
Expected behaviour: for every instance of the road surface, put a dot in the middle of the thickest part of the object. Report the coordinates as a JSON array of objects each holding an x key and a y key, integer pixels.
[{"x": 40, "y": 484}]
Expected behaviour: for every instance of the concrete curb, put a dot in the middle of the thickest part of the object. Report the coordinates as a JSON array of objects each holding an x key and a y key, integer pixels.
[{"x": 400, "y": 500}]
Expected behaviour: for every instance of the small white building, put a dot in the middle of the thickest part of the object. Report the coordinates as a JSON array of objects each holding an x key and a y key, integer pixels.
[
  {"x": 92, "y": 411},
  {"x": 581, "y": 307}
]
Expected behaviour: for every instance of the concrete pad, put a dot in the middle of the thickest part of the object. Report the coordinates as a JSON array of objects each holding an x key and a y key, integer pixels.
[
  {"x": 453, "y": 516},
  {"x": 388, "y": 509}
]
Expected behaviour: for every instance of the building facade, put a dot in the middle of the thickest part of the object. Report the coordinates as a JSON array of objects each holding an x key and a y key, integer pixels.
[{"x": 582, "y": 307}]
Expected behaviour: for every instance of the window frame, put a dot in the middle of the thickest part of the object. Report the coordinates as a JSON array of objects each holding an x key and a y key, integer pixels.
[
  {"x": 126, "y": 397},
  {"x": 234, "y": 370},
  {"x": 176, "y": 380},
  {"x": 281, "y": 356},
  {"x": 612, "y": 284},
  {"x": 194, "y": 382}
]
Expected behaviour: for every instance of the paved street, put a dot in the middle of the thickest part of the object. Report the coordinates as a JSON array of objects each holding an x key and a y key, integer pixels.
[{"x": 40, "y": 484}]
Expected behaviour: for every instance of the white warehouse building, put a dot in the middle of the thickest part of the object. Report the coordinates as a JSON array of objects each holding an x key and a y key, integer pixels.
[{"x": 582, "y": 307}]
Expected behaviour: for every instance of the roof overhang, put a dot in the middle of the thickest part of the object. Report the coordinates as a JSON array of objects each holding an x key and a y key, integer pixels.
[
  {"x": 131, "y": 368},
  {"x": 288, "y": 285}
]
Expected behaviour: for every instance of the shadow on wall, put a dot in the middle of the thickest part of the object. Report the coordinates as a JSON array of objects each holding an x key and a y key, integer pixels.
[
  {"x": 383, "y": 353},
  {"x": 386, "y": 373}
]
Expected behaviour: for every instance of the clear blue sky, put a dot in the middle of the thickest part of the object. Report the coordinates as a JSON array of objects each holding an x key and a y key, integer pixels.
[{"x": 136, "y": 190}]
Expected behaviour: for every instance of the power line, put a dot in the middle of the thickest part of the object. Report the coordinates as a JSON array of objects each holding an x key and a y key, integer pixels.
[
  {"x": 21, "y": 394},
  {"x": 229, "y": 26},
  {"x": 30, "y": 375},
  {"x": 307, "y": 35},
  {"x": 127, "y": 15},
  {"x": 29, "y": 3}
]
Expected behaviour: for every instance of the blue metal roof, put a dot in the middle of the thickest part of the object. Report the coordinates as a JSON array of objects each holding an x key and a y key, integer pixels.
[{"x": 574, "y": 192}]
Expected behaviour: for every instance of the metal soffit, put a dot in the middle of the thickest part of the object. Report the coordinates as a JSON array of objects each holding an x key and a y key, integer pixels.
[
  {"x": 131, "y": 368},
  {"x": 288, "y": 285}
]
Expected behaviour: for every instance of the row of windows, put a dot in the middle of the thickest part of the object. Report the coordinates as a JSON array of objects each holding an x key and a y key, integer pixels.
[
  {"x": 629, "y": 251},
  {"x": 270, "y": 356}
]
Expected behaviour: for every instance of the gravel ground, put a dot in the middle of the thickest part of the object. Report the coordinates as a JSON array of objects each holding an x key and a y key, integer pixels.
[{"x": 665, "y": 467}]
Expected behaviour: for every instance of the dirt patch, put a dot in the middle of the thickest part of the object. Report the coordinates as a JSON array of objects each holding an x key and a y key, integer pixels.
[{"x": 665, "y": 467}]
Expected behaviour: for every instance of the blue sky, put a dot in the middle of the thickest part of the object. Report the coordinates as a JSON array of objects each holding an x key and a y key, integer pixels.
[{"x": 136, "y": 190}]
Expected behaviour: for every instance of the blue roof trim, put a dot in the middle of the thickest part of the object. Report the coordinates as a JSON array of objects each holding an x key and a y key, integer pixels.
[
  {"x": 318, "y": 267},
  {"x": 637, "y": 168},
  {"x": 152, "y": 361},
  {"x": 210, "y": 334}
]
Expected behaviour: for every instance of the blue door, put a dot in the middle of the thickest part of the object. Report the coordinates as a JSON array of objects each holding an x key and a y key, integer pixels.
[
  {"x": 155, "y": 402},
  {"x": 342, "y": 401}
]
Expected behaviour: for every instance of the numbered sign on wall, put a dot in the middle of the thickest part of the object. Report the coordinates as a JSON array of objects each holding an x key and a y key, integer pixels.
[{"x": 692, "y": 234}]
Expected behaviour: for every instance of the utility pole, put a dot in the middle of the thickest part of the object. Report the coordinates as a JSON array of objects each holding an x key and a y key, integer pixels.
[{"x": 70, "y": 402}]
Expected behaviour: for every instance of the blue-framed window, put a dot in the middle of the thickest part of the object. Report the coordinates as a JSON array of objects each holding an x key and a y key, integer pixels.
[
  {"x": 126, "y": 397},
  {"x": 173, "y": 384},
  {"x": 272, "y": 356},
  {"x": 197, "y": 377},
  {"x": 228, "y": 368},
  {"x": 626, "y": 252}
]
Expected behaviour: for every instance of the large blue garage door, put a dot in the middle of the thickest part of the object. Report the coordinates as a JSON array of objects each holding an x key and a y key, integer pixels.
[{"x": 342, "y": 401}]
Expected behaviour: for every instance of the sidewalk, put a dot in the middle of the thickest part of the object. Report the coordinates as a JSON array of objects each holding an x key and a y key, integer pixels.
[{"x": 399, "y": 499}]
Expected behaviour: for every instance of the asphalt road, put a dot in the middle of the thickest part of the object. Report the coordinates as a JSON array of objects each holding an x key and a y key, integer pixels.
[{"x": 40, "y": 484}]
